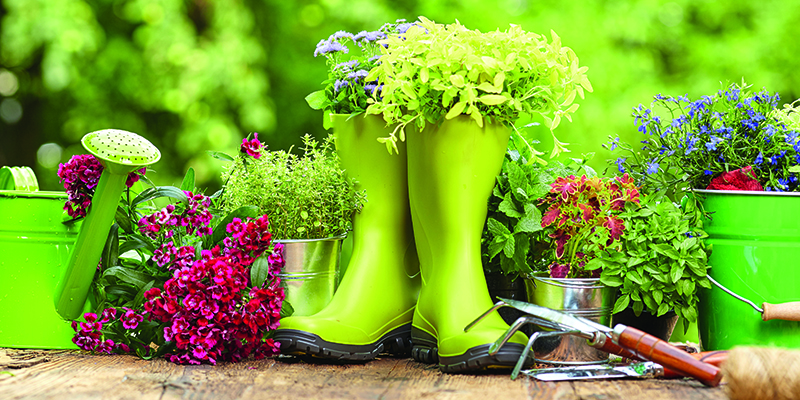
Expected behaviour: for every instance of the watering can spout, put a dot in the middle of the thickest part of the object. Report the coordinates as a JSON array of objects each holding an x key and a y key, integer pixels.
[{"x": 120, "y": 152}]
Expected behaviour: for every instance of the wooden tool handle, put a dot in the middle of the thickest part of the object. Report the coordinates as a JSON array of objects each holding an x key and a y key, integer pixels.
[
  {"x": 784, "y": 311},
  {"x": 603, "y": 342},
  {"x": 655, "y": 349},
  {"x": 715, "y": 358}
]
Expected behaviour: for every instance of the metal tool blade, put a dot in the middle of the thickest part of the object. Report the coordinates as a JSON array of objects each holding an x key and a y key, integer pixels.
[
  {"x": 577, "y": 323},
  {"x": 584, "y": 372}
]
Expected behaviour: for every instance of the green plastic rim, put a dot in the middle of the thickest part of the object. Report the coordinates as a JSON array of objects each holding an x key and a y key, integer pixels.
[{"x": 18, "y": 178}]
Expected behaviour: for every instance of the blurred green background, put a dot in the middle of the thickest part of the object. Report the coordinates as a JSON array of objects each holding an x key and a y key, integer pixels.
[{"x": 197, "y": 75}]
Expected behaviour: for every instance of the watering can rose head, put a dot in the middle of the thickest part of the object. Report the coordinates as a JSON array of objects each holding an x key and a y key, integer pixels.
[{"x": 583, "y": 216}]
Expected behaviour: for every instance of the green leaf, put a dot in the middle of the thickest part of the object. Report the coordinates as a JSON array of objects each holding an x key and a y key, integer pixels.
[
  {"x": 594, "y": 264},
  {"x": 138, "y": 300},
  {"x": 495, "y": 247},
  {"x": 317, "y": 100},
  {"x": 509, "y": 247},
  {"x": 111, "y": 248},
  {"x": 621, "y": 304},
  {"x": 675, "y": 272},
  {"x": 457, "y": 109},
  {"x": 492, "y": 99},
  {"x": 188, "y": 180},
  {"x": 135, "y": 278},
  {"x": 259, "y": 271},
  {"x": 242, "y": 213},
  {"x": 286, "y": 309},
  {"x": 516, "y": 177},
  {"x": 666, "y": 250},
  {"x": 159, "y": 191},
  {"x": 496, "y": 228},
  {"x": 508, "y": 208},
  {"x": 612, "y": 280},
  {"x": 662, "y": 309},
  {"x": 634, "y": 276},
  {"x": 219, "y": 155},
  {"x": 123, "y": 220},
  {"x": 658, "y": 296},
  {"x": 531, "y": 221},
  {"x": 457, "y": 80},
  {"x": 634, "y": 261},
  {"x": 136, "y": 241}
]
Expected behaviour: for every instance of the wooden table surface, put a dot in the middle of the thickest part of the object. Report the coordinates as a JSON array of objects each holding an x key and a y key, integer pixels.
[{"x": 68, "y": 374}]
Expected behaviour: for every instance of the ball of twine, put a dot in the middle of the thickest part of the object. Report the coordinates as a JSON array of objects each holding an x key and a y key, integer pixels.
[{"x": 758, "y": 373}]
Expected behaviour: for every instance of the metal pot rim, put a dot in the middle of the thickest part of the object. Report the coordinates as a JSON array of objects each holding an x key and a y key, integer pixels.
[
  {"x": 331, "y": 238},
  {"x": 571, "y": 283}
]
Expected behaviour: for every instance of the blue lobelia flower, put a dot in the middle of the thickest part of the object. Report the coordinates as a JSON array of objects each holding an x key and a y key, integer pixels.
[
  {"x": 652, "y": 167},
  {"x": 620, "y": 164},
  {"x": 707, "y": 172},
  {"x": 759, "y": 159},
  {"x": 612, "y": 145},
  {"x": 711, "y": 145}
]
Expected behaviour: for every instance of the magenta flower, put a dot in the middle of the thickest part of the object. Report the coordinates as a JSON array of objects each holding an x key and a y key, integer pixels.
[
  {"x": 130, "y": 319},
  {"x": 252, "y": 147},
  {"x": 80, "y": 176}
]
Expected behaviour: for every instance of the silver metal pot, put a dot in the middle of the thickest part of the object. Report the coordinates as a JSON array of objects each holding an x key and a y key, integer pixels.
[
  {"x": 586, "y": 298},
  {"x": 311, "y": 273}
]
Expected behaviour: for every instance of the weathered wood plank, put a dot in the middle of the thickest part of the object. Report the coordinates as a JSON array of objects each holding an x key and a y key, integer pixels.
[{"x": 76, "y": 374}]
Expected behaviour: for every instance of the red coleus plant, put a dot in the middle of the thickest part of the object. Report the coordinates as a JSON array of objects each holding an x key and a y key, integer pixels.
[{"x": 584, "y": 216}]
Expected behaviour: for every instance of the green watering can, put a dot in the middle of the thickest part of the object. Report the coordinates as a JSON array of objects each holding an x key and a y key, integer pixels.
[{"x": 47, "y": 264}]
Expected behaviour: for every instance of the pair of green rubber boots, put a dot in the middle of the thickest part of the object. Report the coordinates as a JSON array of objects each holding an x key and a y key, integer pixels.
[{"x": 413, "y": 290}]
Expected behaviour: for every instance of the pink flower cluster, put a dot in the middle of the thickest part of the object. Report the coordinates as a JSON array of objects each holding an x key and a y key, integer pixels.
[
  {"x": 194, "y": 215},
  {"x": 247, "y": 240},
  {"x": 174, "y": 258},
  {"x": 80, "y": 176},
  {"x": 207, "y": 309},
  {"x": 89, "y": 334},
  {"x": 251, "y": 147}
]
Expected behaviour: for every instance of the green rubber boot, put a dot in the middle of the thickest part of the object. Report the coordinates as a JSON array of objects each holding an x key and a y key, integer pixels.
[
  {"x": 371, "y": 311},
  {"x": 451, "y": 173}
]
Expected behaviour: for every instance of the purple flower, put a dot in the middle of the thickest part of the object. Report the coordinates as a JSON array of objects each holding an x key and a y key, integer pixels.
[
  {"x": 340, "y": 35},
  {"x": 327, "y": 47},
  {"x": 340, "y": 84},
  {"x": 358, "y": 75},
  {"x": 369, "y": 37},
  {"x": 652, "y": 167},
  {"x": 346, "y": 66}
]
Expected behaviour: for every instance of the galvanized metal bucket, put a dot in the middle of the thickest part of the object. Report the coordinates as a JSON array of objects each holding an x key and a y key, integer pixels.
[
  {"x": 586, "y": 298},
  {"x": 756, "y": 245},
  {"x": 311, "y": 273}
]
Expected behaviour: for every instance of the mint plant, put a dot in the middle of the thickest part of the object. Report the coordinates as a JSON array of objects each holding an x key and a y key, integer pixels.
[
  {"x": 306, "y": 197},
  {"x": 660, "y": 260},
  {"x": 433, "y": 72}
]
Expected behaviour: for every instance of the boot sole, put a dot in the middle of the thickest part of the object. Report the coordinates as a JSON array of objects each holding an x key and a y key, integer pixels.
[
  {"x": 396, "y": 342},
  {"x": 477, "y": 358}
]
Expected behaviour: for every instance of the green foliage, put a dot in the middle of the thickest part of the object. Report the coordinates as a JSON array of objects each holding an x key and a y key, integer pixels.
[
  {"x": 661, "y": 260},
  {"x": 305, "y": 197},
  {"x": 514, "y": 241},
  {"x": 435, "y": 71}
]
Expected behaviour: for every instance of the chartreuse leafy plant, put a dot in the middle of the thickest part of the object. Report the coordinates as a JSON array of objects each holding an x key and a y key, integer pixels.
[
  {"x": 660, "y": 260},
  {"x": 306, "y": 197},
  {"x": 514, "y": 241},
  {"x": 433, "y": 72}
]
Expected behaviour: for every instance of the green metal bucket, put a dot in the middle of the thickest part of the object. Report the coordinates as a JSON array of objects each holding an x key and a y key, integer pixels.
[
  {"x": 35, "y": 247},
  {"x": 756, "y": 245}
]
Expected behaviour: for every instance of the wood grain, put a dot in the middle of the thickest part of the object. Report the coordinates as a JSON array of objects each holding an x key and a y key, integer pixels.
[{"x": 75, "y": 374}]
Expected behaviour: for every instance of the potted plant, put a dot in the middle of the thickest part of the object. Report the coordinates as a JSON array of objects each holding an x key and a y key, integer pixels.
[
  {"x": 310, "y": 203},
  {"x": 453, "y": 95},
  {"x": 514, "y": 241},
  {"x": 371, "y": 311},
  {"x": 737, "y": 153}
]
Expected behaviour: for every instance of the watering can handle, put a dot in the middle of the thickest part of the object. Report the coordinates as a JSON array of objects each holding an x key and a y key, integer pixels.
[{"x": 784, "y": 311}]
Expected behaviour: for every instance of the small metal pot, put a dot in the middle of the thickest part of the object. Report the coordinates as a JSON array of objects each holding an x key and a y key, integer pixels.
[
  {"x": 586, "y": 298},
  {"x": 311, "y": 273}
]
